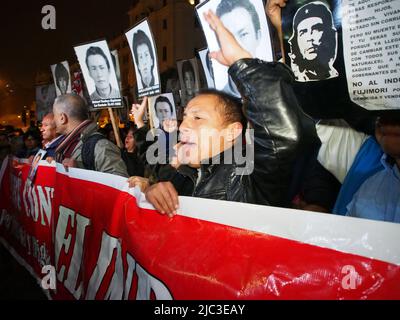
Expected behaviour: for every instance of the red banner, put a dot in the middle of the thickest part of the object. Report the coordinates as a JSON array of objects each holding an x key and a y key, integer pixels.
[{"x": 99, "y": 239}]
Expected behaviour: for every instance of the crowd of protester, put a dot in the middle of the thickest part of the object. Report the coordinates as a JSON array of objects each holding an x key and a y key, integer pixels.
[{"x": 348, "y": 166}]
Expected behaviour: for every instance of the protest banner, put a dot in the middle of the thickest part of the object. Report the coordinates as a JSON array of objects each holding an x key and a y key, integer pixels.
[{"x": 106, "y": 242}]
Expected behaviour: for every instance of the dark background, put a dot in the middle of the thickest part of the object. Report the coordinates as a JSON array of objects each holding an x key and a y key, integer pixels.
[{"x": 26, "y": 48}]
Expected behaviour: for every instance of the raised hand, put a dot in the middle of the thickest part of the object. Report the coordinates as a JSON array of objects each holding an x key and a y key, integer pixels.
[
  {"x": 138, "y": 111},
  {"x": 230, "y": 50},
  {"x": 170, "y": 125},
  {"x": 274, "y": 10}
]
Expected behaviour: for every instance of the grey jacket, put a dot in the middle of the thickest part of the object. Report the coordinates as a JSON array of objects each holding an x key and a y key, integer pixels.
[{"x": 107, "y": 155}]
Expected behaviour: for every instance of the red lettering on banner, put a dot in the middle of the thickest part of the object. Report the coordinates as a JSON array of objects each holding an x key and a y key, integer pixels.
[
  {"x": 144, "y": 286},
  {"x": 70, "y": 234},
  {"x": 38, "y": 202}
]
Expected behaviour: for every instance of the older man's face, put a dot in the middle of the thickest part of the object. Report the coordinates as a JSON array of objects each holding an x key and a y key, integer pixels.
[
  {"x": 48, "y": 128},
  {"x": 309, "y": 34},
  {"x": 59, "y": 120}
]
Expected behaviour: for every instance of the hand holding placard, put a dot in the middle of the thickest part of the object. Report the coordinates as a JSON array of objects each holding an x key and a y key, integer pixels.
[{"x": 230, "y": 51}]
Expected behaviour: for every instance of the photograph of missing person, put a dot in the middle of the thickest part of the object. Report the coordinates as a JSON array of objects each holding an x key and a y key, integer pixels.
[
  {"x": 35, "y": 163},
  {"x": 313, "y": 43},
  {"x": 144, "y": 54},
  {"x": 99, "y": 74},
  {"x": 62, "y": 78},
  {"x": 45, "y": 96},
  {"x": 162, "y": 107},
  {"x": 246, "y": 20},
  {"x": 189, "y": 79},
  {"x": 207, "y": 67}
]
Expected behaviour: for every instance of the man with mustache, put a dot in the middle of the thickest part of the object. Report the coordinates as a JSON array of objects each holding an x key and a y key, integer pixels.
[{"x": 313, "y": 43}]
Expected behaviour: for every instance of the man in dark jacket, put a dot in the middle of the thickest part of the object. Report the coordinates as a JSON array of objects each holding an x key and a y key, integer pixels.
[
  {"x": 50, "y": 138},
  {"x": 272, "y": 111}
]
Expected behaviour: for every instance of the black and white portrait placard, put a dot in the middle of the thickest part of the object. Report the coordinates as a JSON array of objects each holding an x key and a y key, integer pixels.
[
  {"x": 313, "y": 42},
  {"x": 45, "y": 96},
  {"x": 99, "y": 74},
  {"x": 144, "y": 54},
  {"x": 189, "y": 79},
  {"x": 246, "y": 20},
  {"x": 207, "y": 67},
  {"x": 35, "y": 164},
  {"x": 162, "y": 107},
  {"x": 62, "y": 78},
  {"x": 371, "y": 49}
]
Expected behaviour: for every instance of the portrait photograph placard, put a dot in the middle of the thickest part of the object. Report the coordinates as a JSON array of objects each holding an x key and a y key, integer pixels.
[
  {"x": 161, "y": 107},
  {"x": 45, "y": 96},
  {"x": 206, "y": 63},
  {"x": 99, "y": 74},
  {"x": 189, "y": 79},
  {"x": 246, "y": 20},
  {"x": 62, "y": 77},
  {"x": 144, "y": 55},
  {"x": 35, "y": 163}
]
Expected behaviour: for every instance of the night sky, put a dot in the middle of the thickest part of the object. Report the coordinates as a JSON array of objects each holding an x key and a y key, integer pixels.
[{"x": 27, "y": 48}]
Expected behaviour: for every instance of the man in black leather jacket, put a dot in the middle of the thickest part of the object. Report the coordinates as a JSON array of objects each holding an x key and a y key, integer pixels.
[{"x": 272, "y": 111}]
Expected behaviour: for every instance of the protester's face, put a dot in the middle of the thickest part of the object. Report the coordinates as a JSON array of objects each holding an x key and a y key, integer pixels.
[
  {"x": 163, "y": 111},
  {"x": 48, "y": 129},
  {"x": 62, "y": 85},
  {"x": 309, "y": 34},
  {"x": 99, "y": 71},
  {"x": 388, "y": 136},
  {"x": 59, "y": 120},
  {"x": 240, "y": 24},
  {"x": 145, "y": 62},
  {"x": 188, "y": 78},
  {"x": 31, "y": 142},
  {"x": 201, "y": 132},
  {"x": 45, "y": 91},
  {"x": 130, "y": 142}
]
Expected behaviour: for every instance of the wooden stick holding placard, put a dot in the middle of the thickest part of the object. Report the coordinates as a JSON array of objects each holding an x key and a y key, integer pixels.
[
  {"x": 150, "y": 114},
  {"x": 115, "y": 128}
]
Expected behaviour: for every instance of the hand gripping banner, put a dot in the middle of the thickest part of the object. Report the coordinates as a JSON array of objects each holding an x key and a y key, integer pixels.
[{"x": 104, "y": 241}]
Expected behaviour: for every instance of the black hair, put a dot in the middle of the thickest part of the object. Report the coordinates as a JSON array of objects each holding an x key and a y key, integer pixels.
[
  {"x": 163, "y": 99},
  {"x": 140, "y": 38},
  {"x": 226, "y": 6},
  {"x": 96, "y": 51},
  {"x": 209, "y": 64},
  {"x": 327, "y": 49},
  {"x": 35, "y": 134},
  {"x": 187, "y": 67},
  {"x": 61, "y": 72},
  {"x": 229, "y": 106}
]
